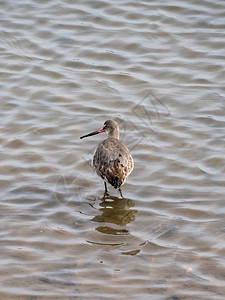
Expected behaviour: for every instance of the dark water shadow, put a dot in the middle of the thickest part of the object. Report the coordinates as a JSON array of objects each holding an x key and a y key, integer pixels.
[{"x": 117, "y": 211}]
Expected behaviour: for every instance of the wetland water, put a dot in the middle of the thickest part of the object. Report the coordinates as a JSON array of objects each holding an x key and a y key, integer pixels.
[{"x": 158, "y": 69}]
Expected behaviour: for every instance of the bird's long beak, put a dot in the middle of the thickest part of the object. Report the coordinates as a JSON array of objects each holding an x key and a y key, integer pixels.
[{"x": 93, "y": 133}]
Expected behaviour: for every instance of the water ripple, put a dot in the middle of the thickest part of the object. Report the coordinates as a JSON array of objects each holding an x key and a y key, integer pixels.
[{"x": 157, "y": 69}]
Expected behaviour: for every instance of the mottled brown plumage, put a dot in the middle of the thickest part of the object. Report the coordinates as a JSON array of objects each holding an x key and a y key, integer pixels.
[{"x": 112, "y": 160}]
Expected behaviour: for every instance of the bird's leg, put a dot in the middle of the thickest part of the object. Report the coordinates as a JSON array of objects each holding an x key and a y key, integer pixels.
[
  {"x": 106, "y": 191},
  {"x": 121, "y": 193}
]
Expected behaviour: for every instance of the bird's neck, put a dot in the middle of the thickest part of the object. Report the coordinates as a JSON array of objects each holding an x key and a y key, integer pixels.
[{"x": 114, "y": 134}]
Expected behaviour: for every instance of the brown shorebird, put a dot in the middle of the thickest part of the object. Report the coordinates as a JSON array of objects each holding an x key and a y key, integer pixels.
[{"x": 112, "y": 160}]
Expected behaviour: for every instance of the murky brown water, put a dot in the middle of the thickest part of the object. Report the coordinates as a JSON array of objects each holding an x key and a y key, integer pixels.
[{"x": 158, "y": 69}]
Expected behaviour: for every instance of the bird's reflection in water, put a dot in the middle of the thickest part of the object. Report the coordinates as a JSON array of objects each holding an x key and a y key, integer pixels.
[{"x": 117, "y": 211}]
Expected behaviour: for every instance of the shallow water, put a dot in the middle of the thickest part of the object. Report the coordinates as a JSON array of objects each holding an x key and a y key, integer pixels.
[{"x": 158, "y": 70}]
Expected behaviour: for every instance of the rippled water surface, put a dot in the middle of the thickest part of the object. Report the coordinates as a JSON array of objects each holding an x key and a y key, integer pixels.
[{"x": 158, "y": 69}]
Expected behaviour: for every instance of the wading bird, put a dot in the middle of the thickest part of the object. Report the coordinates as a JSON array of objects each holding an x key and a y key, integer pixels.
[{"x": 112, "y": 160}]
